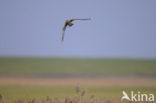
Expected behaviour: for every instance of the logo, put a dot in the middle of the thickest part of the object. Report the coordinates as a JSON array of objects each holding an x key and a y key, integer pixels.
[{"x": 137, "y": 97}]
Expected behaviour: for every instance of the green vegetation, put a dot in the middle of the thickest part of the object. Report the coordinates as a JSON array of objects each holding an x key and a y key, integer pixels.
[
  {"x": 59, "y": 67},
  {"x": 11, "y": 93}
]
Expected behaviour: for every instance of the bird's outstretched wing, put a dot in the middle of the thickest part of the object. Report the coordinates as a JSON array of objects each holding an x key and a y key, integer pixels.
[
  {"x": 63, "y": 31},
  {"x": 80, "y": 19}
]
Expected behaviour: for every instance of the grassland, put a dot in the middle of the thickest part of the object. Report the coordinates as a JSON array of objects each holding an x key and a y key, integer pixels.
[
  {"x": 59, "y": 67},
  {"x": 37, "y": 78},
  {"x": 12, "y": 93}
]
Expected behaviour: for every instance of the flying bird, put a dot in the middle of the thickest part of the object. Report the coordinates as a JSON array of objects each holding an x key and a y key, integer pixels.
[{"x": 69, "y": 23}]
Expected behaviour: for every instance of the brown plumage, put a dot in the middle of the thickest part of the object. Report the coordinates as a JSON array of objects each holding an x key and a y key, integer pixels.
[{"x": 69, "y": 23}]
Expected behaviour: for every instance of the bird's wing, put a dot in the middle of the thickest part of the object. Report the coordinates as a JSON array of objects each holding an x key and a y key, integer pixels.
[
  {"x": 63, "y": 31},
  {"x": 80, "y": 19}
]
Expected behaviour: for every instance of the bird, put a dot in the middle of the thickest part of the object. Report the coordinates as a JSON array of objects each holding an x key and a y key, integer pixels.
[{"x": 69, "y": 23}]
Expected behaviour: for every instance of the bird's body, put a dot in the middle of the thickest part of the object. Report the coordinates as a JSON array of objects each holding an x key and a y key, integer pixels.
[{"x": 69, "y": 23}]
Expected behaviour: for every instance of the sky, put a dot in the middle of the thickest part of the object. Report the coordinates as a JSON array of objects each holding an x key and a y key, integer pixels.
[{"x": 117, "y": 29}]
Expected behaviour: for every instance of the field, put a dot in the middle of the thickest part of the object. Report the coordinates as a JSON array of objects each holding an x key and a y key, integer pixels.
[
  {"x": 60, "y": 67},
  {"x": 57, "y": 78},
  {"x": 12, "y": 93}
]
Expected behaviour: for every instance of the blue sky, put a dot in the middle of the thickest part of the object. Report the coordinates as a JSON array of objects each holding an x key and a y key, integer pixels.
[{"x": 119, "y": 28}]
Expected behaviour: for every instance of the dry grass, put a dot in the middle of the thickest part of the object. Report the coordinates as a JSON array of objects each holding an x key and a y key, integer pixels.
[
  {"x": 110, "y": 81},
  {"x": 78, "y": 98}
]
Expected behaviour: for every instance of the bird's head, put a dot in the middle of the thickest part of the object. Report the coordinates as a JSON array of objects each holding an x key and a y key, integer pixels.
[{"x": 70, "y": 24}]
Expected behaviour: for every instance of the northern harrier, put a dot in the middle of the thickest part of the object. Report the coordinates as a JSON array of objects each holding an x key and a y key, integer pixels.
[{"x": 69, "y": 23}]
